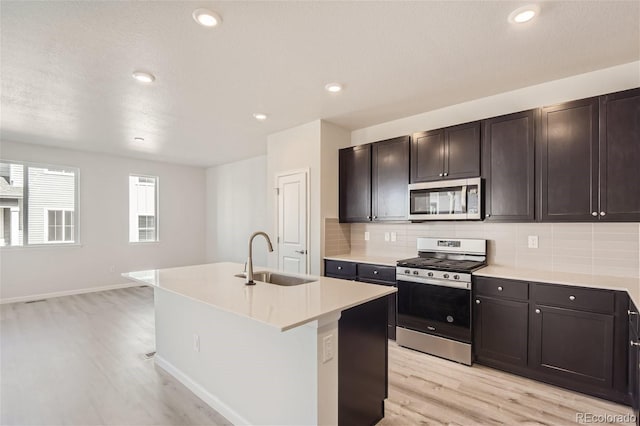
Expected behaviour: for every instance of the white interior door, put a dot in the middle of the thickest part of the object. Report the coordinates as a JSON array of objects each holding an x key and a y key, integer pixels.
[{"x": 292, "y": 222}]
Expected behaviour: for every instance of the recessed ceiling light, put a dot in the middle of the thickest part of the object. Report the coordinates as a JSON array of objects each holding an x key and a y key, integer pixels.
[
  {"x": 524, "y": 14},
  {"x": 259, "y": 116},
  {"x": 143, "y": 77},
  {"x": 206, "y": 18},
  {"x": 333, "y": 87},
  {"x": 138, "y": 139}
]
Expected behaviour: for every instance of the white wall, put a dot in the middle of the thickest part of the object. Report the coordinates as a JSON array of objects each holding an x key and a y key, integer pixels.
[
  {"x": 236, "y": 207},
  {"x": 594, "y": 83},
  {"x": 295, "y": 149},
  {"x": 104, "y": 251}
]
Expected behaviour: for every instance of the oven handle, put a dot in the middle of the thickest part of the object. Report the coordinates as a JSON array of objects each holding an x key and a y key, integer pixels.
[{"x": 441, "y": 283}]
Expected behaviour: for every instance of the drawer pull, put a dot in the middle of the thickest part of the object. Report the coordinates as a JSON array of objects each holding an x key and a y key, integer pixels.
[
  {"x": 431, "y": 328},
  {"x": 537, "y": 311},
  {"x": 375, "y": 272},
  {"x": 630, "y": 312},
  {"x": 339, "y": 268},
  {"x": 477, "y": 301},
  {"x": 632, "y": 343},
  {"x": 499, "y": 288},
  {"x": 572, "y": 298}
]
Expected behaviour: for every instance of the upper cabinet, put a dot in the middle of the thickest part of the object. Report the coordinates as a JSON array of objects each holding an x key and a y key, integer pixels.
[
  {"x": 373, "y": 181},
  {"x": 589, "y": 153},
  {"x": 449, "y": 153},
  {"x": 508, "y": 158},
  {"x": 620, "y": 156}
]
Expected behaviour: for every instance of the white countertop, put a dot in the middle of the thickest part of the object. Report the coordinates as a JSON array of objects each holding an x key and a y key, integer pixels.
[
  {"x": 283, "y": 307},
  {"x": 628, "y": 284},
  {"x": 363, "y": 258}
]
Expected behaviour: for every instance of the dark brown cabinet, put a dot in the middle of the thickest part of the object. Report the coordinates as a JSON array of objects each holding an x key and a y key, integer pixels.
[
  {"x": 355, "y": 184},
  {"x": 449, "y": 153},
  {"x": 634, "y": 360},
  {"x": 508, "y": 162},
  {"x": 368, "y": 273},
  {"x": 620, "y": 156},
  {"x": 500, "y": 322},
  {"x": 588, "y": 154},
  {"x": 373, "y": 181},
  {"x": 574, "y": 337}
]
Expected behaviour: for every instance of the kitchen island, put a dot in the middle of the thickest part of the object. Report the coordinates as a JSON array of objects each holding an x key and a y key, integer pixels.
[{"x": 314, "y": 353}]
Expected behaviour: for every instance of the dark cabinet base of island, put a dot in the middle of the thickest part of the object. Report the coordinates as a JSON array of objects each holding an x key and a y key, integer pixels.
[{"x": 362, "y": 363}]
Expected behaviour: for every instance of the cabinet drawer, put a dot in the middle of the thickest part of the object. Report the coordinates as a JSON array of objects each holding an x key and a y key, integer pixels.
[
  {"x": 508, "y": 289},
  {"x": 340, "y": 269},
  {"x": 581, "y": 298},
  {"x": 377, "y": 273}
]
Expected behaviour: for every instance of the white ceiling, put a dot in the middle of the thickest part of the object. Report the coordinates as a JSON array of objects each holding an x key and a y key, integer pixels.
[{"x": 66, "y": 66}]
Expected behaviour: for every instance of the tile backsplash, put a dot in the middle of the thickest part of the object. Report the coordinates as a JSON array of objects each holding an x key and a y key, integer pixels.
[
  {"x": 337, "y": 237},
  {"x": 589, "y": 248}
]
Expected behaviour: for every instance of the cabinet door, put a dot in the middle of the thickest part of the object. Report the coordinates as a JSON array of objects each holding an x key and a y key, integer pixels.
[
  {"x": 572, "y": 345},
  {"x": 390, "y": 179},
  {"x": 500, "y": 330},
  {"x": 508, "y": 159},
  {"x": 355, "y": 184},
  {"x": 634, "y": 371},
  {"x": 569, "y": 161},
  {"x": 620, "y": 156},
  {"x": 427, "y": 156},
  {"x": 462, "y": 151}
]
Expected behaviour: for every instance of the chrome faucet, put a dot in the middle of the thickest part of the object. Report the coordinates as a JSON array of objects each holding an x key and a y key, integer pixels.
[{"x": 249, "y": 264}]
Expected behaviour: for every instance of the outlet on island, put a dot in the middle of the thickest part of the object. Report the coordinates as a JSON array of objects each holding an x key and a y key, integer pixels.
[{"x": 327, "y": 348}]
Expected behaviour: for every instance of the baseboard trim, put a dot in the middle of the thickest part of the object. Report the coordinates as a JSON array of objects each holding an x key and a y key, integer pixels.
[
  {"x": 66, "y": 293},
  {"x": 213, "y": 401}
]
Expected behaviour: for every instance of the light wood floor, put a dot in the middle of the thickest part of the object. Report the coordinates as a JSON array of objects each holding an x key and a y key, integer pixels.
[{"x": 79, "y": 360}]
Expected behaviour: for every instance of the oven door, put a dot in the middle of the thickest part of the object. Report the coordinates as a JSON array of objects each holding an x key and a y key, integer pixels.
[
  {"x": 435, "y": 309},
  {"x": 454, "y": 199}
]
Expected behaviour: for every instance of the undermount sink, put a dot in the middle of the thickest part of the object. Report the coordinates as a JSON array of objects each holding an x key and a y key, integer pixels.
[{"x": 277, "y": 278}]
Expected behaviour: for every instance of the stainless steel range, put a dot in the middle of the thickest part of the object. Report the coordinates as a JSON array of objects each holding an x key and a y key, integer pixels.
[{"x": 434, "y": 297}]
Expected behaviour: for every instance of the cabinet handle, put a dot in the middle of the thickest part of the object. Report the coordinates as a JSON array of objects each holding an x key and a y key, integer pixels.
[
  {"x": 629, "y": 312},
  {"x": 446, "y": 174},
  {"x": 602, "y": 213},
  {"x": 632, "y": 343},
  {"x": 339, "y": 268},
  {"x": 499, "y": 288},
  {"x": 488, "y": 214},
  {"x": 369, "y": 217},
  {"x": 375, "y": 217},
  {"x": 594, "y": 213},
  {"x": 431, "y": 328},
  {"x": 375, "y": 272},
  {"x": 537, "y": 311},
  {"x": 572, "y": 298},
  {"x": 477, "y": 301},
  {"x": 441, "y": 174}
]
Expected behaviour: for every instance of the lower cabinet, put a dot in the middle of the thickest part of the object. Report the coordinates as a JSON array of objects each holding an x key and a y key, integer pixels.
[
  {"x": 572, "y": 337},
  {"x": 634, "y": 360},
  {"x": 367, "y": 273}
]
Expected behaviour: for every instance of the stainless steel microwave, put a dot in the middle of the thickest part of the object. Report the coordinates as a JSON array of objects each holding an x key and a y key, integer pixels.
[{"x": 459, "y": 199}]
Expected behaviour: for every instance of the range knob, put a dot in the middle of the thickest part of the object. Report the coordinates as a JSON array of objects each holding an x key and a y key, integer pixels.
[
  {"x": 407, "y": 271},
  {"x": 456, "y": 277},
  {"x": 445, "y": 276},
  {"x": 415, "y": 272},
  {"x": 430, "y": 274}
]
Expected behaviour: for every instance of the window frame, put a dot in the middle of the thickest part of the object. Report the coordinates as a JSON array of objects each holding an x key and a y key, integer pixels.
[
  {"x": 157, "y": 208},
  {"x": 25, "y": 207}
]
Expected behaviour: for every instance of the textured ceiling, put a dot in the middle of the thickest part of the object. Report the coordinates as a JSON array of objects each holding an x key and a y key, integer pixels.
[{"x": 66, "y": 66}]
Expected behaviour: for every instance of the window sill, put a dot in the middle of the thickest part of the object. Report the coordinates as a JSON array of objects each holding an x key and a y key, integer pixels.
[
  {"x": 40, "y": 246},
  {"x": 135, "y": 243}
]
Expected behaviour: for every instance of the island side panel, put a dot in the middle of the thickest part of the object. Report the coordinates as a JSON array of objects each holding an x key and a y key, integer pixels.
[
  {"x": 363, "y": 363},
  {"x": 250, "y": 372}
]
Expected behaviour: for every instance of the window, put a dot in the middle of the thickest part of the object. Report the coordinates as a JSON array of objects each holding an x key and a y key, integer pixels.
[
  {"x": 59, "y": 225},
  {"x": 38, "y": 204},
  {"x": 143, "y": 209}
]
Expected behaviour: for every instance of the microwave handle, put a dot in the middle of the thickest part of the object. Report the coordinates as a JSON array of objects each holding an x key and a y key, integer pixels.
[{"x": 464, "y": 199}]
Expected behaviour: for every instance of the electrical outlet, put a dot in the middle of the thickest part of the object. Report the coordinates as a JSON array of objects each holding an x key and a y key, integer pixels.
[
  {"x": 394, "y": 236},
  {"x": 196, "y": 343},
  {"x": 327, "y": 348},
  {"x": 386, "y": 236},
  {"x": 532, "y": 241},
  {"x": 367, "y": 236}
]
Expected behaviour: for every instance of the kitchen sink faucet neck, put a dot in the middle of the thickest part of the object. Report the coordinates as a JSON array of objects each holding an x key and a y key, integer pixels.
[{"x": 249, "y": 264}]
